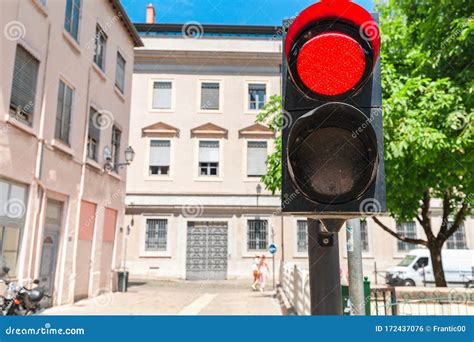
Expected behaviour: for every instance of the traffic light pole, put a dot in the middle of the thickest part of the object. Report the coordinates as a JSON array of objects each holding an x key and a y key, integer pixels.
[
  {"x": 324, "y": 271},
  {"x": 354, "y": 260}
]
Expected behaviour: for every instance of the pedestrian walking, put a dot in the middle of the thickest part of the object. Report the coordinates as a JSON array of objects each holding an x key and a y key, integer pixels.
[
  {"x": 255, "y": 273},
  {"x": 263, "y": 272}
]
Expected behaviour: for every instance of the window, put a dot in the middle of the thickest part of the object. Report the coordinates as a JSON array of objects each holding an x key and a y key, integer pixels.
[
  {"x": 407, "y": 229},
  {"x": 93, "y": 136},
  {"x": 64, "y": 111},
  {"x": 458, "y": 239},
  {"x": 257, "y": 235},
  {"x": 100, "y": 43},
  {"x": 159, "y": 157},
  {"x": 210, "y": 95},
  {"x": 256, "y": 158},
  {"x": 162, "y": 95},
  {"x": 120, "y": 73},
  {"x": 156, "y": 232},
  {"x": 71, "y": 24},
  {"x": 25, "y": 77},
  {"x": 13, "y": 204},
  {"x": 302, "y": 236},
  {"x": 209, "y": 158},
  {"x": 364, "y": 236},
  {"x": 257, "y": 96},
  {"x": 115, "y": 153}
]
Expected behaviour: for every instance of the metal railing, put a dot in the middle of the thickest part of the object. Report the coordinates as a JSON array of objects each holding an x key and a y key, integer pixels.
[
  {"x": 295, "y": 285},
  {"x": 384, "y": 301}
]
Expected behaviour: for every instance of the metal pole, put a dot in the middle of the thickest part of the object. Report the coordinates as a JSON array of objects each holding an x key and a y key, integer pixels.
[
  {"x": 273, "y": 266},
  {"x": 324, "y": 272},
  {"x": 354, "y": 259}
]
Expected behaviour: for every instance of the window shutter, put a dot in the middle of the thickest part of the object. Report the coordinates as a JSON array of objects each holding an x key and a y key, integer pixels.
[
  {"x": 160, "y": 153},
  {"x": 162, "y": 95},
  {"x": 210, "y": 96},
  {"x": 256, "y": 158},
  {"x": 120, "y": 72},
  {"x": 208, "y": 151},
  {"x": 25, "y": 76}
]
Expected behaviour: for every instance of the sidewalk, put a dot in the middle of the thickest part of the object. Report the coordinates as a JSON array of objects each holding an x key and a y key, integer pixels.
[{"x": 177, "y": 298}]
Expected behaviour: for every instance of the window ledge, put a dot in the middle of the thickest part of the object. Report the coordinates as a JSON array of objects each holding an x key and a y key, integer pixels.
[
  {"x": 41, "y": 8},
  {"x": 95, "y": 165},
  {"x": 9, "y": 120},
  {"x": 208, "y": 179},
  {"x": 162, "y": 111},
  {"x": 71, "y": 41},
  {"x": 158, "y": 179},
  {"x": 99, "y": 71},
  {"x": 119, "y": 93},
  {"x": 201, "y": 111},
  {"x": 62, "y": 147},
  {"x": 144, "y": 254},
  {"x": 253, "y": 179}
]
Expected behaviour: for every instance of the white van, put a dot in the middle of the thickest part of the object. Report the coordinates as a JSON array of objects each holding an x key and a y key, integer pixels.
[{"x": 416, "y": 268}]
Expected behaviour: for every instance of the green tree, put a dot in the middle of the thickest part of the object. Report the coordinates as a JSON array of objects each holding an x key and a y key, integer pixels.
[{"x": 428, "y": 85}]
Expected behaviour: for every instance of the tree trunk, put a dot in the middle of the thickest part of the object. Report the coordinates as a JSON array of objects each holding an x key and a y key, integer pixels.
[{"x": 437, "y": 265}]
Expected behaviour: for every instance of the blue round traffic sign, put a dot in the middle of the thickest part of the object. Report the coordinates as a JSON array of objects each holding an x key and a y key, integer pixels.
[{"x": 272, "y": 248}]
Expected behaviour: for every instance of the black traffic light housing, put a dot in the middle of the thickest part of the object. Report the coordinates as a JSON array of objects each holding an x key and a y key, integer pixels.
[{"x": 333, "y": 152}]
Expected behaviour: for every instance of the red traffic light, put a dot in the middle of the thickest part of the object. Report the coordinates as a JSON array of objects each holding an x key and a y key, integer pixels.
[{"x": 332, "y": 48}]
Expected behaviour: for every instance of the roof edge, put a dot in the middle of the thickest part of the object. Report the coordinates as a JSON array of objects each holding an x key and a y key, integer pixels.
[
  {"x": 212, "y": 28},
  {"x": 128, "y": 24}
]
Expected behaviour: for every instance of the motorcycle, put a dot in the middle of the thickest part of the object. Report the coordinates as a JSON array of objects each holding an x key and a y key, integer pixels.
[{"x": 20, "y": 300}]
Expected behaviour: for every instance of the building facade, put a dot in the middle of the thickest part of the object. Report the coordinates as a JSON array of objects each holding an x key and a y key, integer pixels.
[
  {"x": 65, "y": 99},
  {"x": 195, "y": 207}
]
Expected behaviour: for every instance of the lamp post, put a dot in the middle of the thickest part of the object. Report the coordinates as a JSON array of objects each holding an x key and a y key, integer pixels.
[
  {"x": 129, "y": 156},
  {"x": 259, "y": 191}
]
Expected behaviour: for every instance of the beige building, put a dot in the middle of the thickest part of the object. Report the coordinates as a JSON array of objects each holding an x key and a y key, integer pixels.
[
  {"x": 65, "y": 97},
  {"x": 194, "y": 208}
]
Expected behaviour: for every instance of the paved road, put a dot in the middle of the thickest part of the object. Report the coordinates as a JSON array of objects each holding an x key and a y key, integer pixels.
[{"x": 177, "y": 298}]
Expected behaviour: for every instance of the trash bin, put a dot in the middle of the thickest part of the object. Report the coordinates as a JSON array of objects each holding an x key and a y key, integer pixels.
[{"x": 122, "y": 278}]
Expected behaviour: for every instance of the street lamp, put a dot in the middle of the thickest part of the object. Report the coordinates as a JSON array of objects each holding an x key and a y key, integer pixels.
[
  {"x": 129, "y": 156},
  {"x": 259, "y": 191}
]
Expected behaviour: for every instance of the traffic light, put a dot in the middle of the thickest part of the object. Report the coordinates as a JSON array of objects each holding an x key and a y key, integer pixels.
[{"x": 333, "y": 164}]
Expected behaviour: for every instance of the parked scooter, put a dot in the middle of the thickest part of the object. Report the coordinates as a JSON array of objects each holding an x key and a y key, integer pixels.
[{"x": 20, "y": 300}]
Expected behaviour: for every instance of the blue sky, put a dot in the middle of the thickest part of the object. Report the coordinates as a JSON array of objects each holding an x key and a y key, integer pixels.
[{"x": 237, "y": 12}]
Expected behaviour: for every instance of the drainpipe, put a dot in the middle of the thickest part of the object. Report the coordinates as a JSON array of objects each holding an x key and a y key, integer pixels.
[
  {"x": 72, "y": 284},
  {"x": 37, "y": 221}
]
